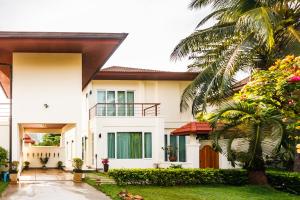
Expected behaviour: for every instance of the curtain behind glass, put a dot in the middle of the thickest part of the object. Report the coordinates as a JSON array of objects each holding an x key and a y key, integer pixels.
[
  {"x": 182, "y": 153},
  {"x": 166, "y": 145},
  {"x": 130, "y": 103},
  {"x": 111, "y": 108},
  {"x": 148, "y": 145},
  {"x": 129, "y": 145},
  {"x": 121, "y": 103},
  {"x": 101, "y": 107},
  {"x": 173, "y": 143},
  {"x": 111, "y": 145}
]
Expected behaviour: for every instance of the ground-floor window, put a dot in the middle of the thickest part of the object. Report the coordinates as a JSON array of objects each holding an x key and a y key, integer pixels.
[
  {"x": 178, "y": 143},
  {"x": 129, "y": 145}
]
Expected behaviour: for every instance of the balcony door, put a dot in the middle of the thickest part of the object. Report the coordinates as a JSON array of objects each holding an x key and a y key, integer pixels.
[{"x": 115, "y": 103}]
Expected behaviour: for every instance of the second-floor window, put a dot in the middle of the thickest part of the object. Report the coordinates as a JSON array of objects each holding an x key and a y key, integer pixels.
[{"x": 115, "y": 103}]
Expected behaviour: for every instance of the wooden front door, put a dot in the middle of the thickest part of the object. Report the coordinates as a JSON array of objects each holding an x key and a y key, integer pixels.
[{"x": 209, "y": 158}]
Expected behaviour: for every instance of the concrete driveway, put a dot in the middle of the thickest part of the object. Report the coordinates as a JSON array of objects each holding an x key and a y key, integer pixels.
[
  {"x": 52, "y": 190},
  {"x": 50, "y": 184}
]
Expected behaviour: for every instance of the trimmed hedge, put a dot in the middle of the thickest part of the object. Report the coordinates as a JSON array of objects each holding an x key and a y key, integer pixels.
[
  {"x": 170, "y": 177},
  {"x": 285, "y": 181}
]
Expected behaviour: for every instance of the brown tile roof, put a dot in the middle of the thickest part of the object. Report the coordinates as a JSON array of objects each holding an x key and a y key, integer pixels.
[
  {"x": 130, "y": 73},
  {"x": 193, "y": 128},
  {"x": 127, "y": 69},
  {"x": 239, "y": 85}
]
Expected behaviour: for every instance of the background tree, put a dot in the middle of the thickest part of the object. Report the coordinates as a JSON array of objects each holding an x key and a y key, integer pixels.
[
  {"x": 265, "y": 114},
  {"x": 50, "y": 140},
  {"x": 248, "y": 34}
]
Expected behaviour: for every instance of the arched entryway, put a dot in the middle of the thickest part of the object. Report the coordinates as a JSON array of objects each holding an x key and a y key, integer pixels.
[{"x": 208, "y": 158}]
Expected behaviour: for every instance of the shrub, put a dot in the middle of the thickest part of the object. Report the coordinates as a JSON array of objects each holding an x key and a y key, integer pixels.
[
  {"x": 77, "y": 164},
  {"x": 285, "y": 181},
  {"x": 170, "y": 177},
  {"x": 3, "y": 156},
  {"x": 60, "y": 165}
]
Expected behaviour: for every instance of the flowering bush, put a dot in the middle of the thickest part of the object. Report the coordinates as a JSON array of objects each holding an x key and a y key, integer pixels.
[
  {"x": 105, "y": 161},
  {"x": 278, "y": 88}
]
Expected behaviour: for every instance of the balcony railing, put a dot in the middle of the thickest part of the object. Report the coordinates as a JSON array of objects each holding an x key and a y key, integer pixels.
[
  {"x": 4, "y": 111},
  {"x": 125, "y": 109}
]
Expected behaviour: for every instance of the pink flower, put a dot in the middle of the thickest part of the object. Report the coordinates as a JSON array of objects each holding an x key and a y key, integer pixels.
[{"x": 294, "y": 79}]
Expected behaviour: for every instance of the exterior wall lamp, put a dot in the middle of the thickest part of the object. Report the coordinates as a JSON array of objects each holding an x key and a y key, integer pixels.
[
  {"x": 99, "y": 135},
  {"x": 46, "y": 105}
]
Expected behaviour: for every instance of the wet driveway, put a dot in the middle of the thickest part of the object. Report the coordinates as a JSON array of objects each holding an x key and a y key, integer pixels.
[
  {"x": 52, "y": 190},
  {"x": 50, "y": 184}
]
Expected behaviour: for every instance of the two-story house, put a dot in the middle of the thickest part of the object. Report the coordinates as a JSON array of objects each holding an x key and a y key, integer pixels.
[{"x": 54, "y": 84}]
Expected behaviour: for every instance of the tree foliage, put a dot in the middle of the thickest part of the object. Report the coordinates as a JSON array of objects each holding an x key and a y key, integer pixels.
[
  {"x": 248, "y": 34},
  {"x": 265, "y": 114},
  {"x": 50, "y": 140}
]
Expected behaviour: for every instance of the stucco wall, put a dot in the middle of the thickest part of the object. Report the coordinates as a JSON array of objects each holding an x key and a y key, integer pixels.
[
  {"x": 168, "y": 93},
  {"x": 46, "y": 78},
  {"x": 103, "y": 125},
  {"x": 4, "y": 135},
  {"x": 33, "y": 155}
]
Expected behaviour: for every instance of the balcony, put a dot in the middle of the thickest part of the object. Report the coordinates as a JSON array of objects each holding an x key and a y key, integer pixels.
[
  {"x": 4, "y": 111},
  {"x": 125, "y": 110}
]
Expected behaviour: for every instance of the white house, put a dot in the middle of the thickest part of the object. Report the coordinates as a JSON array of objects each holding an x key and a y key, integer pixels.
[{"x": 128, "y": 115}]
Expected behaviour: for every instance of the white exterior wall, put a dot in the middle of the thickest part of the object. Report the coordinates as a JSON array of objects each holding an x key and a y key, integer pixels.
[
  {"x": 4, "y": 132},
  {"x": 46, "y": 78},
  {"x": 33, "y": 154},
  {"x": 167, "y": 93},
  {"x": 103, "y": 125}
]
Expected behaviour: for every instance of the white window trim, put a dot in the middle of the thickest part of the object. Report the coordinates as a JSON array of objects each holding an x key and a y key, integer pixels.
[
  {"x": 143, "y": 147},
  {"x": 116, "y": 99}
]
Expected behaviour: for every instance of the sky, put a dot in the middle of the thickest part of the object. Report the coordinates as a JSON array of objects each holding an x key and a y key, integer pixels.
[{"x": 154, "y": 26}]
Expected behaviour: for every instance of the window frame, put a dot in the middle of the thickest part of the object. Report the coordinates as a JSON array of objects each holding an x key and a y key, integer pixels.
[
  {"x": 168, "y": 143},
  {"x": 143, "y": 145},
  {"x": 116, "y": 101}
]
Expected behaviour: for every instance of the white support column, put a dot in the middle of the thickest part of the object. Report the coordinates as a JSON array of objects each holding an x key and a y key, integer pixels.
[{"x": 193, "y": 151}]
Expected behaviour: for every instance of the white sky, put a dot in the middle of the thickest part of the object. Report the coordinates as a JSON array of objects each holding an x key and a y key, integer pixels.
[{"x": 154, "y": 26}]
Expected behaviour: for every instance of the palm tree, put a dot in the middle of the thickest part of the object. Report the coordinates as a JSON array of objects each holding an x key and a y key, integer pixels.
[
  {"x": 253, "y": 132},
  {"x": 248, "y": 34}
]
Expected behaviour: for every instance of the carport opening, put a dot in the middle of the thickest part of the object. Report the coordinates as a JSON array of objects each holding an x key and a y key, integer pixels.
[{"x": 43, "y": 152}]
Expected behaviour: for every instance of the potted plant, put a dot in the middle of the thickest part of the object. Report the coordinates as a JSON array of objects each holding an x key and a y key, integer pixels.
[
  {"x": 60, "y": 165},
  {"x": 26, "y": 165},
  {"x": 77, "y": 164},
  {"x": 13, "y": 173},
  {"x": 44, "y": 162},
  {"x": 105, "y": 162},
  {"x": 172, "y": 153}
]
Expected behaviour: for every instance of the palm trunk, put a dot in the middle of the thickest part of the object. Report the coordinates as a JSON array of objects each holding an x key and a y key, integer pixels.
[
  {"x": 297, "y": 162},
  {"x": 256, "y": 170},
  {"x": 257, "y": 177}
]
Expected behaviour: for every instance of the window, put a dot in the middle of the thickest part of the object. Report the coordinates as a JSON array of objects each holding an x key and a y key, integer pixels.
[
  {"x": 178, "y": 143},
  {"x": 111, "y": 145},
  {"x": 147, "y": 145},
  {"x": 115, "y": 103},
  {"x": 129, "y": 145}
]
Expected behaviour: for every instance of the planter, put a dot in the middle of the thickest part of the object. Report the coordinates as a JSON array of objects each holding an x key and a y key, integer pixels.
[
  {"x": 77, "y": 177},
  {"x": 13, "y": 178},
  {"x": 105, "y": 167},
  {"x": 172, "y": 158}
]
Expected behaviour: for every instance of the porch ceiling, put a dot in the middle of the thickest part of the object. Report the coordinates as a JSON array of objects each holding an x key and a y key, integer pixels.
[
  {"x": 42, "y": 126},
  {"x": 96, "y": 48}
]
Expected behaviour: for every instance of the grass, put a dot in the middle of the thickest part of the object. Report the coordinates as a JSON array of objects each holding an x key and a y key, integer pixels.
[
  {"x": 208, "y": 192},
  {"x": 2, "y": 187}
]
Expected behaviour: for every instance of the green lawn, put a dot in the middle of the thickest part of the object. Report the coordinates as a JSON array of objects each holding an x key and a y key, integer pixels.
[
  {"x": 2, "y": 186},
  {"x": 219, "y": 192}
]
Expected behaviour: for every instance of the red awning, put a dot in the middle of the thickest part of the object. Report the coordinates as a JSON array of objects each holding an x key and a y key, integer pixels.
[
  {"x": 193, "y": 128},
  {"x": 27, "y": 139}
]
